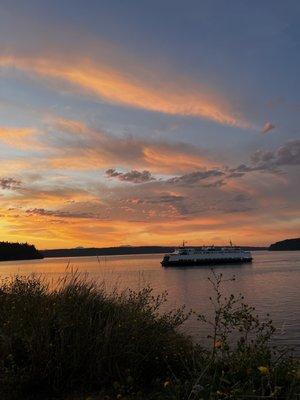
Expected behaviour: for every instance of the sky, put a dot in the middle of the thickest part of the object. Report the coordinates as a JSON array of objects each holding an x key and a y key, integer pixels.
[{"x": 149, "y": 122}]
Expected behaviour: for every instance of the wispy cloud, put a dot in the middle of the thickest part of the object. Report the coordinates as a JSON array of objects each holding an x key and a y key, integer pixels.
[
  {"x": 95, "y": 149},
  {"x": 21, "y": 137},
  {"x": 122, "y": 87},
  {"x": 61, "y": 214},
  {"x": 268, "y": 126}
]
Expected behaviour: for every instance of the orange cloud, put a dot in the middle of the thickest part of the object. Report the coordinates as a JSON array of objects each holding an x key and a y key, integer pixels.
[
  {"x": 120, "y": 87},
  {"x": 70, "y": 126},
  {"x": 52, "y": 232},
  {"x": 91, "y": 149},
  {"x": 51, "y": 222},
  {"x": 94, "y": 149},
  {"x": 150, "y": 155},
  {"x": 162, "y": 158},
  {"x": 15, "y": 166},
  {"x": 18, "y": 137},
  {"x": 268, "y": 126}
]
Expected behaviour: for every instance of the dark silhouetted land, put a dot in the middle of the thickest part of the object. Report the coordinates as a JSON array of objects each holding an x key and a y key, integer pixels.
[
  {"x": 18, "y": 251},
  {"x": 288, "y": 244},
  {"x": 111, "y": 251},
  {"x": 106, "y": 251}
]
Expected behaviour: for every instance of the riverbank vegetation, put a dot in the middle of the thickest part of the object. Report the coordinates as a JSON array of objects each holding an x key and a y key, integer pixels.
[{"x": 79, "y": 342}]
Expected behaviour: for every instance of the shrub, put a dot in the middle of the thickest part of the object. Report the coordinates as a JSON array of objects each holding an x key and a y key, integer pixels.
[
  {"x": 78, "y": 339},
  {"x": 242, "y": 362}
]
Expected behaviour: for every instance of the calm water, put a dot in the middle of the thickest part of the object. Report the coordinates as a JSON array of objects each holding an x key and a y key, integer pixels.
[{"x": 271, "y": 283}]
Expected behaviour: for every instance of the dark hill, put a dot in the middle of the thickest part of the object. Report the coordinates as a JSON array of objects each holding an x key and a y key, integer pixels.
[
  {"x": 18, "y": 251},
  {"x": 110, "y": 251},
  {"x": 288, "y": 244},
  {"x": 106, "y": 251}
]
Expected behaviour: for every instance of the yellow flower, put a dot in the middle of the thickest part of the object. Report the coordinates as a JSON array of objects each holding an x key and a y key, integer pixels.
[
  {"x": 263, "y": 370},
  {"x": 276, "y": 390}
]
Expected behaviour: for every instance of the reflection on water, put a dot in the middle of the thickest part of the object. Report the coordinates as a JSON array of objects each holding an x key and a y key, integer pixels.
[{"x": 271, "y": 283}]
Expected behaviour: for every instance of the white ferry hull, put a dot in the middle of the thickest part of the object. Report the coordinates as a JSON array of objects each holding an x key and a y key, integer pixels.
[
  {"x": 209, "y": 257},
  {"x": 211, "y": 262}
]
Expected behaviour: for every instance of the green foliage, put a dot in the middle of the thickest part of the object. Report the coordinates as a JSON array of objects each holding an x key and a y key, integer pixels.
[
  {"x": 78, "y": 339},
  {"x": 242, "y": 360}
]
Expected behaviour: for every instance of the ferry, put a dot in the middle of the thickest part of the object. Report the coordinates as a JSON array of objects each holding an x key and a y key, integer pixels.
[{"x": 206, "y": 255}]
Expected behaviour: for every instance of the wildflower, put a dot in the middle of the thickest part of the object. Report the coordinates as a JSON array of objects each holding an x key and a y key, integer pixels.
[
  {"x": 276, "y": 390},
  {"x": 119, "y": 396},
  {"x": 218, "y": 344},
  {"x": 263, "y": 370},
  {"x": 167, "y": 383}
]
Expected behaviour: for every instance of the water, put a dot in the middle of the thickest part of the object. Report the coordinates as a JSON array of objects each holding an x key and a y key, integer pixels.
[{"x": 271, "y": 284}]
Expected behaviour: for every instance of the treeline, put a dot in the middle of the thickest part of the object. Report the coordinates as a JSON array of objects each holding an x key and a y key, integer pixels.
[
  {"x": 18, "y": 251},
  {"x": 106, "y": 251},
  {"x": 122, "y": 250},
  {"x": 288, "y": 244}
]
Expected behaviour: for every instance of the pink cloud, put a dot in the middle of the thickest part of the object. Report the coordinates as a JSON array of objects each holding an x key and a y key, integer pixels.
[{"x": 268, "y": 126}]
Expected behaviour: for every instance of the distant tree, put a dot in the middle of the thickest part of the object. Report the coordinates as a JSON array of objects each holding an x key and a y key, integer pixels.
[
  {"x": 288, "y": 244},
  {"x": 18, "y": 251}
]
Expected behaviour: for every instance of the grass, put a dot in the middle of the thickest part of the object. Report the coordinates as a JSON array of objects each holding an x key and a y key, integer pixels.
[{"x": 79, "y": 342}]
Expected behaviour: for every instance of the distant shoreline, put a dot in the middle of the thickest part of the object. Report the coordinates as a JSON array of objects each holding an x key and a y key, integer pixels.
[
  {"x": 124, "y": 250},
  {"x": 286, "y": 245},
  {"x": 114, "y": 251}
]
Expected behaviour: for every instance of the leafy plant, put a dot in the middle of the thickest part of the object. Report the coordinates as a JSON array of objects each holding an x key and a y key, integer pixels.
[{"x": 79, "y": 342}]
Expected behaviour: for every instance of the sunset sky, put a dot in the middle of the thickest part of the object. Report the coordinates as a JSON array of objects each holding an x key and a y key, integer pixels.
[{"x": 149, "y": 122}]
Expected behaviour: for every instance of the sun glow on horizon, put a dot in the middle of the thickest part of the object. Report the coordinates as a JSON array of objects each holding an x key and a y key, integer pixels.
[{"x": 134, "y": 128}]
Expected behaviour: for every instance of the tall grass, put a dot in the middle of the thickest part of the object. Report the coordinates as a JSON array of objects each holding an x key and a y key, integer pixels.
[{"x": 78, "y": 341}]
